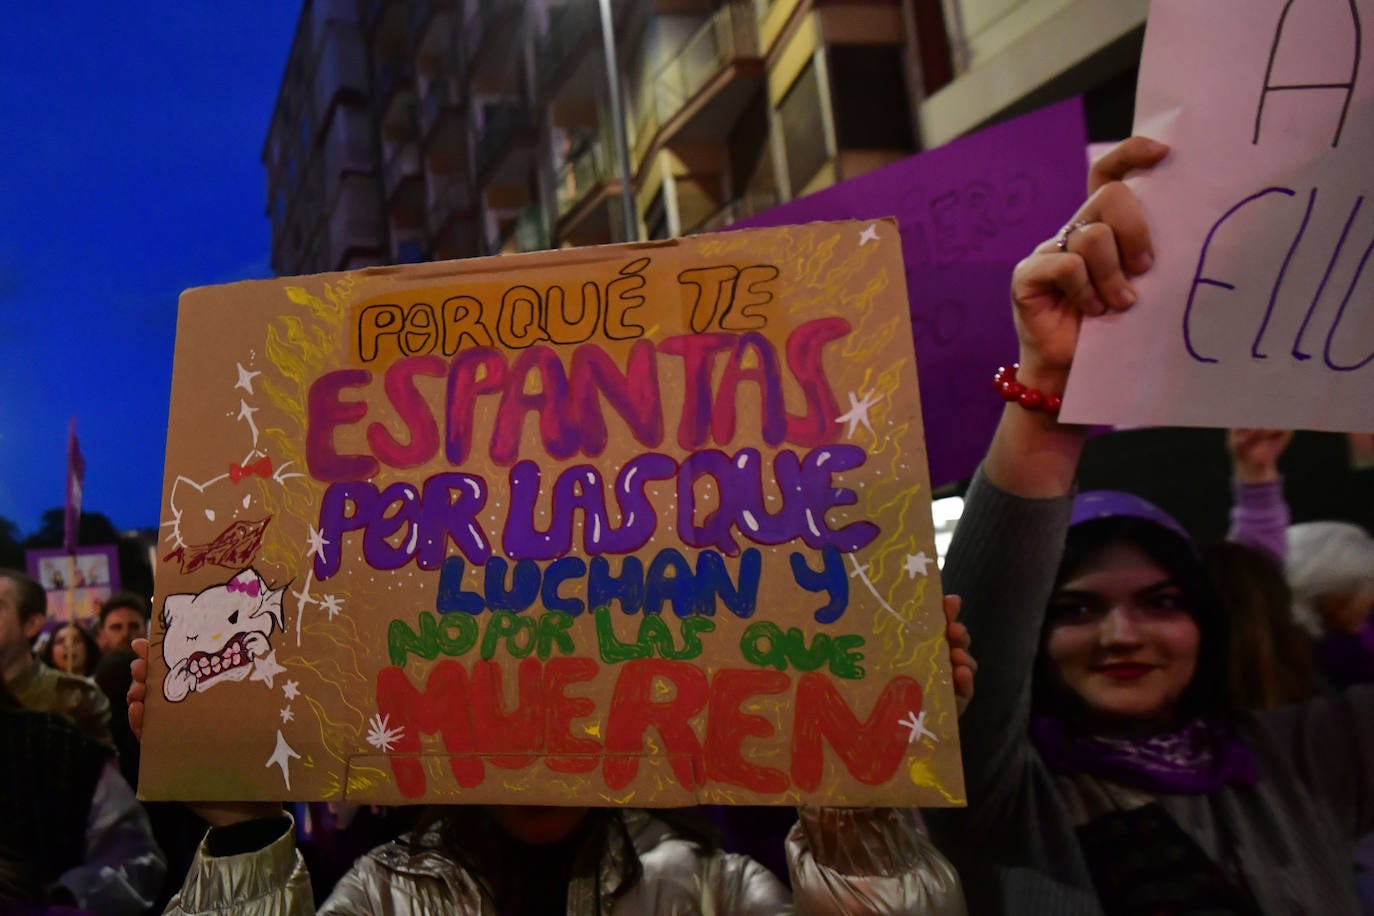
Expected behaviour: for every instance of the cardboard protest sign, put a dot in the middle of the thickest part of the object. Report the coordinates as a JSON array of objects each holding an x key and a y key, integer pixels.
[
  {"x": 968, "y": 212},
  {"x": 632, "y": 525},
  {"x": 76, "y": 581},
  {"x": 1259, "y": 310}
]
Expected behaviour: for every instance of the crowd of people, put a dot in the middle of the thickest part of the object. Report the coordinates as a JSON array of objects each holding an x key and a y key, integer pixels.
[{"x": 1159, "y": 726}]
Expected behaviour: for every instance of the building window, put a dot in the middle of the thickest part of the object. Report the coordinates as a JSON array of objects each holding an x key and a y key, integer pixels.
[
  {"x": 803, "y": 129},
  {"x": 868, "y": 91},
  {"x": 410, "y": 251},
  {"x": 656, "y": 218}
]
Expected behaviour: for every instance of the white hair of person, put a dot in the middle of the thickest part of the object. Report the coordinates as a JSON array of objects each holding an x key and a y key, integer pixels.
[{"x": 1326, "y": 558}]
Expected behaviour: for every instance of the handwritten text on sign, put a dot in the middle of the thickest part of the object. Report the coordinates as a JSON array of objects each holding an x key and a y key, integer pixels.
[
  {"x": 627, "y": 526},
  {"x": 1259, "y": 310}
]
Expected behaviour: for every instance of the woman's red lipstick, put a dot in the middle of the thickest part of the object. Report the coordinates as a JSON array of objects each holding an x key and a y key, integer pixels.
[{"x": 1125, "y": 671}]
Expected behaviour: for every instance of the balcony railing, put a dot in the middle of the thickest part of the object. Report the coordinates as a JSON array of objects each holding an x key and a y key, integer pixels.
[
  {"x": 733, "y": 212},
  {"x": 404, "y": 163},
  {"x": 450, "y": 197},
  {"x": 475, "y": 29},
  {"x": 411, "y": 251},
  {"x": 730, "y": 34},
  {"x": 389, "y": 76},
  {"x": 569, "y": 25},
  {"x": 501, "y": 122},
  {"x": 438, "y": 96},
  {"x": 420, "y": 11},
  {"x": 374, "y": 10},
  {"x": 578, "y": 176},
  {"x": 531, "y": 229}
]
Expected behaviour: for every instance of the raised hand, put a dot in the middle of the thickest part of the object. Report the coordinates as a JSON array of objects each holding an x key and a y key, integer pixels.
[
  {"x": 961, "y": 663},
  {"x": 138, "y": 690},
  {"x": 1086, "y": 269},
  {"x": 1255, "y": 453}
]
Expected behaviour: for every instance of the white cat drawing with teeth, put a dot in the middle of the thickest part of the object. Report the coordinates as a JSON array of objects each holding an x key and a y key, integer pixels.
[{"x": 218, "y": 634}]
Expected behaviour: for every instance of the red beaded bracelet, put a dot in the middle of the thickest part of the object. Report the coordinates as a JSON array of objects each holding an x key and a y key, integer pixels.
[{"x": 1005, "y": 384}]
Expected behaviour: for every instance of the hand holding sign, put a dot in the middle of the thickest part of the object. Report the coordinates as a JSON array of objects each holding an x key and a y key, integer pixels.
[
  {"x": 1086, "y": 269},
  {"x": 1065, "y": 279}
]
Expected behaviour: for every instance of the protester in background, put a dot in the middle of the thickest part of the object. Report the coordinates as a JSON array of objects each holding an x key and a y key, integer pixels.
[
  {"x": 112, "y": 676},
  {"x": 1106, "y": 769},
  {"x": 1331, "y": 572},
  {"x": 1270, "y": 657},
  {"x": 176, "y": 828},
  {"x": 525, "y": 860},
  {"x": 71, "y": 649},
  {"x": 123, "y": 618},
  {"x": 70, "y": 829},
  {"x": 1259, "y": 512},
  {"x": 23, "y": 607}
]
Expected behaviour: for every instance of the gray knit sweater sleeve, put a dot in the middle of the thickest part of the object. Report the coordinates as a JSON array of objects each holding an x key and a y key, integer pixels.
[
  {"x": 1329, "y": 743},
  {"x": 1002, "y": 562},
  {"x": 1015, "y": 845}
]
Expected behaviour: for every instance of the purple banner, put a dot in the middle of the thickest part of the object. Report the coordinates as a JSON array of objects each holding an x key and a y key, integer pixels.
[{"x": 968, "y": 211}]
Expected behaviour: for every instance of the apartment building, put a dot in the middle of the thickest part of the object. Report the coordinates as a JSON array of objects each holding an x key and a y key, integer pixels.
[
  {"x": 426, "y": 129},
  {"x": 321, "y": 150},
  {"x": 1013, "y": 56},
  {"x": 411, "y": 130}
]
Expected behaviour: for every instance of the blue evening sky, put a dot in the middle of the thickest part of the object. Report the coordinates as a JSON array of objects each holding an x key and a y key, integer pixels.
[{"x": 130, "y": 136}]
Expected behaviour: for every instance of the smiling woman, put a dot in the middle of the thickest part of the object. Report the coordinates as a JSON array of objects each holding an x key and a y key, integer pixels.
[
  {"x": 1121, "y": 637},
  {"x": 1131, "y": 613},
  {"x": 1106, "y": 770}
]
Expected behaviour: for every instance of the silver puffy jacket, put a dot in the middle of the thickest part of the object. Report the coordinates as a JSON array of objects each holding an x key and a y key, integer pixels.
[{"x": 842, "y": 861}]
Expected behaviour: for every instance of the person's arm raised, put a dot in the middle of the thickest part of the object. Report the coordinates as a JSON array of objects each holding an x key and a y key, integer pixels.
[
  {"x": 1010, "y": 539},
  {"x": 1052, "y": 290}
]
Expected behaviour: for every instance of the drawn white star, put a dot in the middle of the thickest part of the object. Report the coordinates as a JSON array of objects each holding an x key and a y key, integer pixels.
[
  {"x": 331, "y": 605},
  {"x": 861, "y": 573},
  {"x": 917, "y": 564},
  {"x": 381, "y": 736},
  {"x": 286, "y": 714},
  {"x": 245, "y": 378},
  {"x": 265, "y": 668},
  {"x": 317, "y": 544},
  {"x": 291, "y": 689},
  {"x": 868, "y": 235},
  {"x": 281, "y": 757},
  {"x": 246, "y": 413},
  {"x": 917, "y": 726},
  {"x": 303, "y": 598},
  {"x": 858, "y": 412}
]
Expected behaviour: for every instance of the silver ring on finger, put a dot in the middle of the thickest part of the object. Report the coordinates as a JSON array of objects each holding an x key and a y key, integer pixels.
[{"x": 1061, "y": 241}]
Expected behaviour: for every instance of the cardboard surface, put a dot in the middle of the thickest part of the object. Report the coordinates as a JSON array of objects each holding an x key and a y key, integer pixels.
[
  {"x": 1259, "y": 309},
  {"x": 633, "y": 525}
]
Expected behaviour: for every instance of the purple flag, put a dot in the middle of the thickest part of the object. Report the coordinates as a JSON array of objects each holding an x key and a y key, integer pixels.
[
  {"x": 968, "y": 212},
  {"x": 76, "y": 476}
]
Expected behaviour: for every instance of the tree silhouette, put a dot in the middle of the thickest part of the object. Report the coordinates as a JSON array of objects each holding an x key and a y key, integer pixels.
[{"x": 11, "y": 551}]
